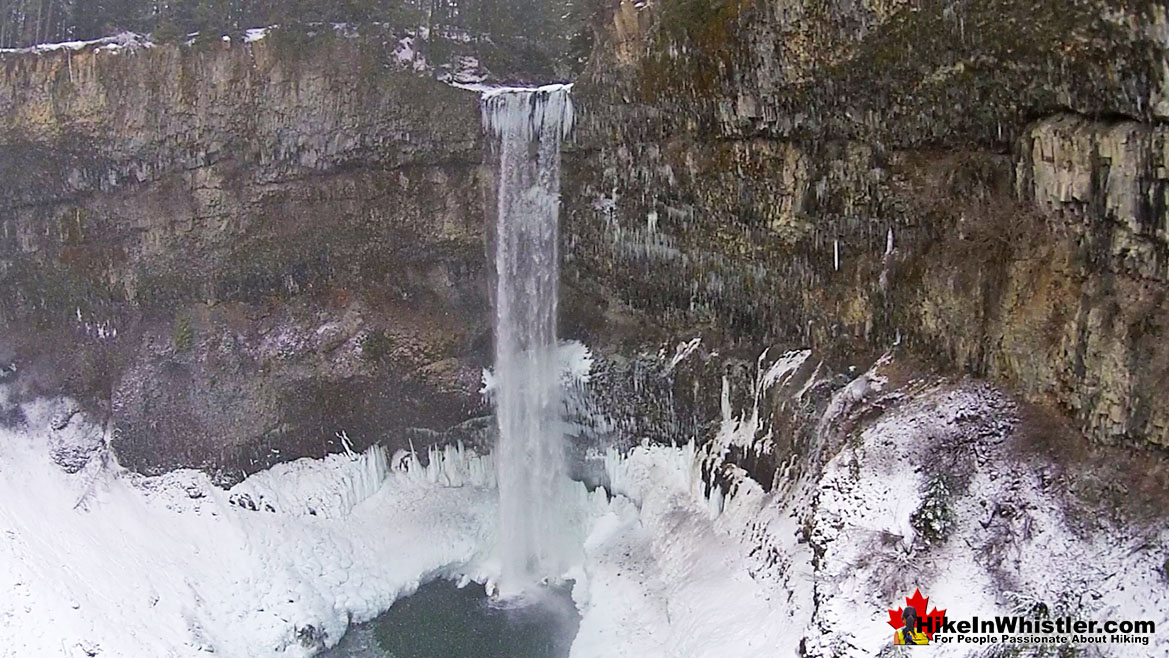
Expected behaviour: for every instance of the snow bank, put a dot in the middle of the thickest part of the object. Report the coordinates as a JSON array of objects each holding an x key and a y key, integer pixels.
[
  {"x": 120, "y": 41},
  {"x": 664, "y": 578},
  {"x": 254, "y": 34},
  {"x": 99, "y": 561},
  {"x": 935, "y": 495},
  {"x": 674, "y": 571},
  {"x": 104, "y": 562},
  {"x": 674, "y": 567}
]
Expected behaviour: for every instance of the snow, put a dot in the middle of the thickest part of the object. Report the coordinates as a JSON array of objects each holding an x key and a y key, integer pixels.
[
  {"x": 781, "y": 371},
  {"x": 405, "y": 50},
  {"x": 492, "y": 91},
  {"x": 110, "y": 562},
  {"x": 105, "y": 560},
  {"x": 95, "y": 328},
  {"x": 102, "y": 561},
  {"x": 469, "y": 69},
  {"x": 576, "y": 362},
  {"x": 668, "y": 580},
  {"x": 624, "y": 590},
  {"x": 573, "y": 357},
  {"x": 741, "y": 430},
  {"x": 120, "y": 41},
  {"x": 255, "y": 34},
  {"x": 682, "y": 573},
  {"x": 871, "y": 556},
  {"x": 408, "y": 54}
]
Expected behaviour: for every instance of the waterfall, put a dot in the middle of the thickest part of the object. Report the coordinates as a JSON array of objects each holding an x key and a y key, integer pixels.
[{"x": 526, "y": 127}]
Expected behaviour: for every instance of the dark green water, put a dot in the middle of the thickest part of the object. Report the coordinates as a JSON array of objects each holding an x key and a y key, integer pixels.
[{"x": 444, "y": 621}]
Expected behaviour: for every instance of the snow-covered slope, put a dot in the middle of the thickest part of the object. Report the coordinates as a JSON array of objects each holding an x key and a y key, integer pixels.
[
  {"x": 941, "y": 492},
  {"x": 920, "y": 483},
  {"x": 916, "y": 484},
  {"x": 104, "y": 562}
]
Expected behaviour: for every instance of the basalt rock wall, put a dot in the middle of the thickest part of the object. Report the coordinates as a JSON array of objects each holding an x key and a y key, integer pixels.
[
  {"x": 237, "y": 252},
  {"x": 982, "y": 183}
]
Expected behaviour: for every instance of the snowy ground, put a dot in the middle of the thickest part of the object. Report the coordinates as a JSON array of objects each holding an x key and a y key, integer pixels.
[
  {"x": 925, "y": 483},
  {"x": 102, "y": 562},
  {"x": 939, "y": 493}
]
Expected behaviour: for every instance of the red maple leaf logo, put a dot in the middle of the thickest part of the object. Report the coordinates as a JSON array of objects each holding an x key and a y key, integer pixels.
[{"x": 919, "y": 604}]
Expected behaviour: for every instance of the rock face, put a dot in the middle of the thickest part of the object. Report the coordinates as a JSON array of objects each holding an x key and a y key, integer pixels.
[
  {"x": 980, "y": 182},
  {"x": 236, "y": 252}
]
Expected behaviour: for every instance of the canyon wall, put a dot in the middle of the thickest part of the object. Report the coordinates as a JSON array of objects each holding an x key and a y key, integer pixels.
[
  {"x": 980, "y": 183},
  {"x": 237, "y": 252}
]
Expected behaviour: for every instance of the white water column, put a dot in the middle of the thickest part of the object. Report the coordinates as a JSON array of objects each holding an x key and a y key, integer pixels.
[{"x": 527, "y": 126}]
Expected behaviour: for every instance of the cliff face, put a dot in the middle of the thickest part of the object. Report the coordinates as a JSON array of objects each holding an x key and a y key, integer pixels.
[
  {"x": 234, "y": 252},
  {"x": 982, "y": 183}
]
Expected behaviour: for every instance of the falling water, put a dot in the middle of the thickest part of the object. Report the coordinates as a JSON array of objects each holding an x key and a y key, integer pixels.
[{"x": 527, "y": 126}]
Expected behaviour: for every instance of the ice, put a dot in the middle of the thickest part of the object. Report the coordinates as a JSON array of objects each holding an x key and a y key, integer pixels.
[
  {"x": 104, "y": 561},
  {"x": 886, "y": 261},
  {"x": 576, "y": 362},
  {"x": 329, "y": 488},
  {"x": 665, "y": 579},
  {"x": 667, "y": 576},
  {"x": 171, "y": 566},
  {"x": 527, "y": 111},
  {"x": 682, "y": 351},
  {"x": 782, "y": 369}
]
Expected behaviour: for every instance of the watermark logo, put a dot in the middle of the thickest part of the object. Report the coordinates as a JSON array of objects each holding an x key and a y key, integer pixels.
[{"x": 912, "y": 625}]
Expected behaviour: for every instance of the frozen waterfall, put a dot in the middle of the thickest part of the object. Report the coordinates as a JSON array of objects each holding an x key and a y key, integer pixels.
[{"x": 526, "y": 127}]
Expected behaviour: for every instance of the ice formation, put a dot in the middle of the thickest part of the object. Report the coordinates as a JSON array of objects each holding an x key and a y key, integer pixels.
[
  {"x": 103, "y": 562},
  {"x": 100, "y": 561}
]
